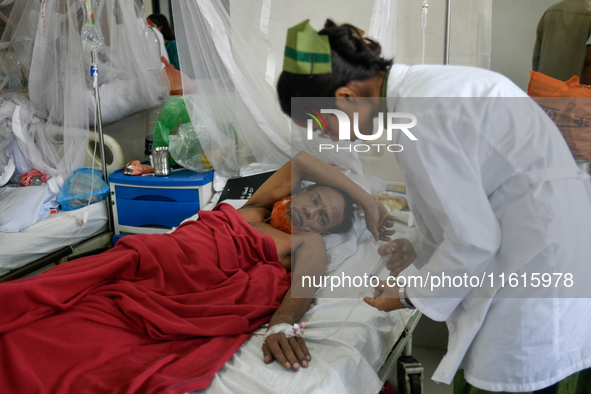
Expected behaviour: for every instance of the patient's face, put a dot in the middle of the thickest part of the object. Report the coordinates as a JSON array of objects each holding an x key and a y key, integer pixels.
[{"x": 316, "y": 210}]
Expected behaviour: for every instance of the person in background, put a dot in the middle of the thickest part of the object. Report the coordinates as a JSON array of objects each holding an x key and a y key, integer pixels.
[
  {"x": 586, "y": 72},
  {"x": 159, "y": 22},
  {"x": 560, "y": 43}
]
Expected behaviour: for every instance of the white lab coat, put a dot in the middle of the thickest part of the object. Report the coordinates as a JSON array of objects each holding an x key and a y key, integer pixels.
[{"x": 494, "y": 194}]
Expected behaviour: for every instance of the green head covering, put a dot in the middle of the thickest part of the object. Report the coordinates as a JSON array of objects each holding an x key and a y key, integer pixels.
[{"x": 306, "y": 52}]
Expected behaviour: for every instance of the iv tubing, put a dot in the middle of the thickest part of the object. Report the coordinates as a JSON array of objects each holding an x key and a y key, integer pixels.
[
  {"x": 424, "y": 26},
  {"x": 377, "y": 269},
  {"x": 91, "y": 170},
  {"x": 423, "y": 57},
  {"x": 98, "y": 119},
  {"x": 89, "y": 13}
]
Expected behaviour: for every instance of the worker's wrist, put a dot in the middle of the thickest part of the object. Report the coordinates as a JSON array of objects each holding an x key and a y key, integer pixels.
[{"x": 404, "y": 300}]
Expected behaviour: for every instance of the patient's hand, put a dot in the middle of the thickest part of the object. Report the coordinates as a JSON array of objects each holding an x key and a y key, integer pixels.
[
  {"x": 287, "y": 351},
  {"x": 377, "y": 218},
  {"x": 403, "y": 254}
]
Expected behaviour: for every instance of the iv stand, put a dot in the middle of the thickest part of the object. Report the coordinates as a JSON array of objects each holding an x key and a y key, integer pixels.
[
  {"x": 447, "y": 29},
  {"x": 99, "y": 123},
  {"x": 93, "y": 41}
]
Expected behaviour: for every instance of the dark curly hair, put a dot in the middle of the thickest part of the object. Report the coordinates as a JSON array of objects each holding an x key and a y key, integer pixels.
[{"x": 352, "y": 56}]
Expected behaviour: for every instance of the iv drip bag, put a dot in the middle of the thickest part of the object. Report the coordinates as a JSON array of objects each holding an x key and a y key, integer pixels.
[{"x": 92, "y": 37}]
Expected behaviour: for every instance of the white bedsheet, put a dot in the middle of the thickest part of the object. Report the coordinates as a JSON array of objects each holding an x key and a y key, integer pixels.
[
  {"x": 50, "y": 234},
  {"x": 347, "y": 362}
]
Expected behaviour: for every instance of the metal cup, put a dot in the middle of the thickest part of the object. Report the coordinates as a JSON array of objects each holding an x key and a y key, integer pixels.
[
  {"x": 161, "y": 161},
  {"x": 583, "y": 165}
]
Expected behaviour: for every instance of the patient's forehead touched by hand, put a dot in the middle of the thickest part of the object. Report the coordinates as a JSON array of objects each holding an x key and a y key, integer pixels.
[{"x": 317, "y": 209}]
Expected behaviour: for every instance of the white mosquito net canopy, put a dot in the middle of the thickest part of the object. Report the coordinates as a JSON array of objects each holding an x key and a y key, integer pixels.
[
  {"x": 233, "y": 51},
  {"x": 48, "y": 102}
]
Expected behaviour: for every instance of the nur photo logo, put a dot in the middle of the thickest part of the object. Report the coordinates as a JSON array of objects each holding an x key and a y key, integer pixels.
[{"x": 392, "y": 122}]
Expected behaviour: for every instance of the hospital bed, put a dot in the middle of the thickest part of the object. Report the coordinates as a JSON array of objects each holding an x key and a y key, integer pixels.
[
  {"x": 353, "y": 353},
  {"x": 354, "y": 347},
  {"x": 61, "y": 236},
  {"x": 49, "y": 241}
]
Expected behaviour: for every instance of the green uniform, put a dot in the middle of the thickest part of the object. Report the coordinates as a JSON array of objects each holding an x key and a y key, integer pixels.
[
  {"x": 578, "y": 383},
  {"x": 560, "y": 44}
]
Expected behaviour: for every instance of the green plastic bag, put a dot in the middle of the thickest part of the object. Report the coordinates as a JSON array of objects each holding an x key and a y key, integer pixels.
[
  {"x": 171, "y": 117},
  {"x": 186, "y": 149}
]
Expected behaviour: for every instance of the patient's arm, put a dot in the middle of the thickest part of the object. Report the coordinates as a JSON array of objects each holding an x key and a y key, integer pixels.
[
  {"x": 307, "y": 167},
  {"x": 309, "y": 259}
]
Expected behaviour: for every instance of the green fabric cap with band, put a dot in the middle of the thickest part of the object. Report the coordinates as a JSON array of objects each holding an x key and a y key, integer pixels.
[{"x": 306, "y": 51}]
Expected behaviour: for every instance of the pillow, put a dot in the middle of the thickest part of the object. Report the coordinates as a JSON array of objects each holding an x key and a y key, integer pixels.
[
  {"x": 21, "y": 207},
  {"x": 339, "y": 247},
  {"x": 568, "y": 104}
]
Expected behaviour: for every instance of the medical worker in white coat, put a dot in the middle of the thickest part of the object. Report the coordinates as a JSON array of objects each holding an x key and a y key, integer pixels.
[{"x": 495, "y": 192}]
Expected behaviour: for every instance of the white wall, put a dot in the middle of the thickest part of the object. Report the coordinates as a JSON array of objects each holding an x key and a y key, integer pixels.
[
  {"x": 148, "y": 8},
  {"x": 469, "y": 45},
  {"x": 504, "y": 28},
  {"x": 469, "y": 33},
  {"x": 498, "y": 34},
  {"x": 507, "y": 27},
  {"x": 513, "y": 36}
]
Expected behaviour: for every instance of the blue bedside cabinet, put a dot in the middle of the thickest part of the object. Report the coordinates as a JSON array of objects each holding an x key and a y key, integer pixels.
[{"x": 152, "y": 204}]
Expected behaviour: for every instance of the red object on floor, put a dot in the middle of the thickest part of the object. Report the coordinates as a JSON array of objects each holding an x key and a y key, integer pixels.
[
  {"x": 387, "y": 389},
  {"x": 155, "y": 314}
]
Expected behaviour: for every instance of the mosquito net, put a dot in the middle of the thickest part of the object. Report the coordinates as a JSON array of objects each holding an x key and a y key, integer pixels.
[
  {"x": 233, "y": 51},
  {"x": 46, "y": 84}
]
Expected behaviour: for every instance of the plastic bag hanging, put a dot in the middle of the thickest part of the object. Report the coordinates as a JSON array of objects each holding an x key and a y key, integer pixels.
[{"x": 186, "y": 149}]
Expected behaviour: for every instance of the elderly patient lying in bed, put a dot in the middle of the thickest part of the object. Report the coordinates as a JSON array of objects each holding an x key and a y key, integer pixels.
[{"x": 162, "y": 313}]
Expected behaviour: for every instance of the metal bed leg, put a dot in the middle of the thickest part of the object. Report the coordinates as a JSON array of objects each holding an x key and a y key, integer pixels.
[
  {"x": 408, "y": 347},
  {"x": 410, "y": 371},
  {"x": 410, "y": 375}
]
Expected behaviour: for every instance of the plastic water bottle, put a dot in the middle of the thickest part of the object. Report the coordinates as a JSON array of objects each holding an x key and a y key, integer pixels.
[
  {"x": 27, "y": 180},
  {"x": 36, "y": 181},
  {"x": 153, "y": 114},
  {"x": 153, "y": 50},
  {"x": 152, "y": 44},
  {"x": 33, "y": 178}
]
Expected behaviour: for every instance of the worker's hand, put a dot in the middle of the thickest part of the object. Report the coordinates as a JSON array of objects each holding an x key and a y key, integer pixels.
[
  {"x": 377, "y": 218},
  {"x": 289, "y": 352},
  {"x": 385, "y": 297},
  {"x": 403, "y": 254}
]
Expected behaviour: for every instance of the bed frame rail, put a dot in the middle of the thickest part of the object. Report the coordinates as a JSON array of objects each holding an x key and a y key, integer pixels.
[{"x": 387, "y": 370}]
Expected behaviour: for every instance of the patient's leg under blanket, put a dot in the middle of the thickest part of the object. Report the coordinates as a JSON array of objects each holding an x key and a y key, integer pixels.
[{"x": 155, "y": 313}]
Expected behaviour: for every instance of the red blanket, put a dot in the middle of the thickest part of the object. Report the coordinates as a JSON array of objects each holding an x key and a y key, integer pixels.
[{"x": 155, "y": 314}]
